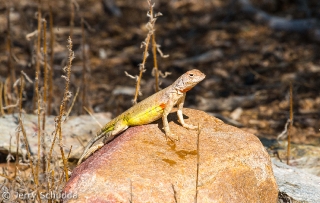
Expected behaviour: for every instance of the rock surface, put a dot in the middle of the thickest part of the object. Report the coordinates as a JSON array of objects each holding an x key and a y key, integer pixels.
[
  {"x": 304, "y": 157},
  {"x": 141, "y": 166},
  {"x": 297, "y": 184},
  {"x": 73, "y": 129}
]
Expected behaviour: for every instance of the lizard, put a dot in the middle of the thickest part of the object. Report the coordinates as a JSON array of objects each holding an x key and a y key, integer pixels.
[{"x": 148, "y": 110}]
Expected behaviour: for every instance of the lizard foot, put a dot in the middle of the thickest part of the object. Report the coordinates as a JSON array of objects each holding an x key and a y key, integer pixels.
[
  {"x": 172, "y": 137},
  {"x": 189, "y": 126}
]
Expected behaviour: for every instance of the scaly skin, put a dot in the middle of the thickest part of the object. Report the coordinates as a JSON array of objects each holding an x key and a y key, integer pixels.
[{"x": 151, "y": 109}]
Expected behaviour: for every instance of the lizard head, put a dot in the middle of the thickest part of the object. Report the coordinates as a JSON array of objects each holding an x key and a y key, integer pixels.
[{"x": 188, "y": 80}]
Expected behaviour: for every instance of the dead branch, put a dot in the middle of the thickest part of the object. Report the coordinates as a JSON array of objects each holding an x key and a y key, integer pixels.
[{"x": 302, "y": 26}]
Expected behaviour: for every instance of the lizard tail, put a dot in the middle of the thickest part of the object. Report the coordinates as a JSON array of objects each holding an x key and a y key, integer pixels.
[
  {"x": 107, "y": 128},
  {"x": 89, "y": 145}
]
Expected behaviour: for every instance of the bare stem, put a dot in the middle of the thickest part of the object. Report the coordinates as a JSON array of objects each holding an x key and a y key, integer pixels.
[
  {"x": 37, "y": 96},
  {"x": 198, "y": 158},
  {"x": 1, "y": 103},
  {"x": 155, "y": 63},
  {"x": 62, "y": 112},
  {"x": 84, "y": 69},
  {"x": 150, "y": 27},
  {"x": 71, "y": 18},
  {"x": 51, "y": 61},
  {"x": 66, "y": 97},
  {"x": 290, "y": 125},
  {"x": 11, "y": 68},
  {"x": 45, "y": 91},
  {"x": 26, "y": 142},
  {"x": 18, "y": 133},
  {"x": 45, "y": 67}
]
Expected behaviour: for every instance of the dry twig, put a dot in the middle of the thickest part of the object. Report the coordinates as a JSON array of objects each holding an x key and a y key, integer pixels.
[
  {"x": 150, "y": 27},
  {"x": 198, "y": 163},
  {"x": 50, "y": 96},
  {"x": 66, "y": 97},
  {"x": 290, "y": 126}
]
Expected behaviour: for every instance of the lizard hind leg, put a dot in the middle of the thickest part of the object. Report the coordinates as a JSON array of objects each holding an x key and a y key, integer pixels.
[
  {"x": 108, "y": 136},
  {"x": 90, "y": 151},
  {"x": 118, "y": 128}
]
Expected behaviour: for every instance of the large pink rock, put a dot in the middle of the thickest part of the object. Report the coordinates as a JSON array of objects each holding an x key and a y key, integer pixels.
[{"x": 141, "y": 166}]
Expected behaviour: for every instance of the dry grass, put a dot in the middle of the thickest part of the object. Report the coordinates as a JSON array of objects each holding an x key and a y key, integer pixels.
[
  {"x": 42, "y": 172},
  {"x": 145, "y": 44},
  {"x": 290, "y": 125}
]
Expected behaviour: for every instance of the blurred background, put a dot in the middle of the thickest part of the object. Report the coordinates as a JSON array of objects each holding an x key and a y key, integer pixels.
[{"x": 250, "y": 51}]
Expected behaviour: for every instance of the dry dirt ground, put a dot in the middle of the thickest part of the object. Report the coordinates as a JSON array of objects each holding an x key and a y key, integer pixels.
[{"x": 247, "y": 64}]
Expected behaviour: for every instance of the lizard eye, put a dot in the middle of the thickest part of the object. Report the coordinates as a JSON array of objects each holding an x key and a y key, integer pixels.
[{"x": 191, "y": 74}]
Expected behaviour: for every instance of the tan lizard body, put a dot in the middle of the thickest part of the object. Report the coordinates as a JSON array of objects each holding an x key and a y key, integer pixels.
[{"x": 150, "y": 109}]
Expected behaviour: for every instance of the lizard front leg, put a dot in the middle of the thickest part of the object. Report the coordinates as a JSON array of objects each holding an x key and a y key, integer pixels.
[
  {"x": 180, "y": 114},
  {"x": 166, "y": 127}
]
